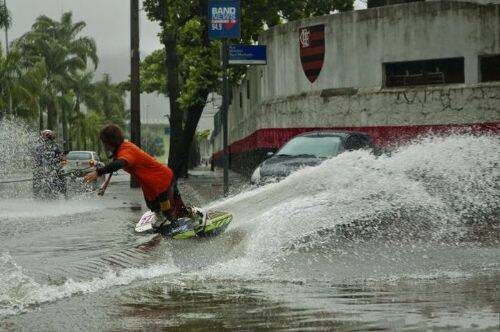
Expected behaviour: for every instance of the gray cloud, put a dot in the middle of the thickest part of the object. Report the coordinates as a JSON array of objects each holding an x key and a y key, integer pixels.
[{"x": 108, "y": 22}]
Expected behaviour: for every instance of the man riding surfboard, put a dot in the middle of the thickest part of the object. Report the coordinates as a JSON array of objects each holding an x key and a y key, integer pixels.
[{"x": 157, "y": 180}]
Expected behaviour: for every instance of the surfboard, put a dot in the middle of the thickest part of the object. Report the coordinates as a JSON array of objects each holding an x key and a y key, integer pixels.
[{"x": 185, "y": 228}]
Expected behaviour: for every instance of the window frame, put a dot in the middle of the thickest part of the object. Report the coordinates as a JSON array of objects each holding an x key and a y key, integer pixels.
[{"x": 425, "y": 75}]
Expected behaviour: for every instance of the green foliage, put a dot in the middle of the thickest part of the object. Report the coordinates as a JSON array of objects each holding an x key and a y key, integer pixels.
[
  {"x": 11, "y": 74},
  {"x": 200, "y": 62},
  {"x": 50, "y": 71},
  {"x": 203, "y": 135},
  {"x": 93, "y": 123},
  {"x": 154, "y": 73},
  {"x": 64, "y": 53},
  {"x": 110, "y": 101},
  {"x": 5, "y": 18},
  {"x": 152, "y": 143}
]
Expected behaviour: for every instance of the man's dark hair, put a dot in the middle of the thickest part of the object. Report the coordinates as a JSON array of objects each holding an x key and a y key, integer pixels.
[{"x": 111, "y": 135}]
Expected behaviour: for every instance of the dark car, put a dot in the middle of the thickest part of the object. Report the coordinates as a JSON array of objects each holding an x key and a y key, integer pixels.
[{"x": 309, "y": 149}]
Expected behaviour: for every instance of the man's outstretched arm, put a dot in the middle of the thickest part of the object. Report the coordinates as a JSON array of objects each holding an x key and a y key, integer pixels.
[{"x": 114, "y": 166}]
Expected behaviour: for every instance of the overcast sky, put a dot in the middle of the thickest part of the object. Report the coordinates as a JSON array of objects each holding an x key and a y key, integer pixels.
[{"x": 108, "y": 22}]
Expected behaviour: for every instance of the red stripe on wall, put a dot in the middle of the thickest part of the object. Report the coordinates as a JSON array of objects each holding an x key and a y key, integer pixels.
[
  {"x": 312, "y": 51},
  {"x": 383, "y": 136},
  {"x": 313, "y": 65},
  {"x": 317, "y": 35}
]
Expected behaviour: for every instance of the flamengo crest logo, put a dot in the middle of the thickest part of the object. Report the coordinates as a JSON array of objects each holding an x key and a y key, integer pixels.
[
  {"x": 305, "y": 34},
  {"x": 312, "y": 50}
]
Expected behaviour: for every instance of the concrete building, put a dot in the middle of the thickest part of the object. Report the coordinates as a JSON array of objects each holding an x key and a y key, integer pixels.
[{"x": 392, "y": 71}]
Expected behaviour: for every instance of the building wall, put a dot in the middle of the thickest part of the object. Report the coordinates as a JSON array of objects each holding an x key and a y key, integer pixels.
[
  {"x": 359, "y": 42},
  {"x": 350, "y": 93},
  {"x": 205, "y": 149}
]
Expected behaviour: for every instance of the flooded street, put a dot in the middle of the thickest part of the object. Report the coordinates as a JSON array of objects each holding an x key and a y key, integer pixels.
[{"x": 406, "y": 242}]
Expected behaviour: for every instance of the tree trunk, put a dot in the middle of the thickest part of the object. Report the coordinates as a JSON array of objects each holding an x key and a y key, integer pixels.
[
  {"x": 76, "y": 125},
  {"x": 172, "y": 58},
  {"x": 193, "y": 117},
  {"x": 64, "y": 120},
  {"x": 40, "y": 117},
  {"x": 84, "y": 136},
  {"x": 51, "y": 115},
  {"x": 70, "y": 135},
  {"x": 182, "y": 137},
  {"x": 99, "y": 150},
  {"x": 193, "y": 113}
]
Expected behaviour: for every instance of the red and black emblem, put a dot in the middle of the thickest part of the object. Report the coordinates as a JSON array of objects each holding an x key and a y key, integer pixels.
[{"x": 312, "y": 50}]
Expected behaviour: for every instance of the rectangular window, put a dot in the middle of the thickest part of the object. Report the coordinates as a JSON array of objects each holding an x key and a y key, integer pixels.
[
  {"x": 248, "y": 89},
  {"x": 490, "y": 68},
  {"x": 424, "y": 72},
  {"x": 241, "y": 99}
]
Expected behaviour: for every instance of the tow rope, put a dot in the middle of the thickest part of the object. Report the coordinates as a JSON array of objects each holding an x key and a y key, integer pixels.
[{"x": 104, "y": 186}]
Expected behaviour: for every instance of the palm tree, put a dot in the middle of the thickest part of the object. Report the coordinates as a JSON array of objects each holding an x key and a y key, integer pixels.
[
  {"x": 11, "y": 81},
  {"x": 5, "y": 22},
  {"x": 5, "y": 19},
  {"x": 93, "y": 123},
  {"x": 65, "y": 55},
  {"x": 33, "y": 82},
  {"x": 84, "y": 90},
  {"x": 111, "y": 101}
]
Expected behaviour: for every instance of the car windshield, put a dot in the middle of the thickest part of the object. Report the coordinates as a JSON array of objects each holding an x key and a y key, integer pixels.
[
  {"x": 317, "y": 146},
  {"x": 79, "y": 156}
]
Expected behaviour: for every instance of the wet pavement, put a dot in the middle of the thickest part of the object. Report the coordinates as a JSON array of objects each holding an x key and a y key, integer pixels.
[{"x": 356, "y": 244}]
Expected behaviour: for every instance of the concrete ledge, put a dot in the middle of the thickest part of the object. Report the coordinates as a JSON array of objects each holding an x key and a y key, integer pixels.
[{"x": 338, "y": 92}]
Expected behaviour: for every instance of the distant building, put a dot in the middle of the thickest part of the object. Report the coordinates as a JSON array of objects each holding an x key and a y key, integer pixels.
[
  {"x": 392, "y": 71},
  {"x": 155, "y": 111},
  {"x": 214, "y": 102}
]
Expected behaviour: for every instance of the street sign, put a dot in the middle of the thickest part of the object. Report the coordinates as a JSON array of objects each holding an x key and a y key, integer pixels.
[
  {"x": 247, "y": 55},
  {"x": 224, "y": 19}
]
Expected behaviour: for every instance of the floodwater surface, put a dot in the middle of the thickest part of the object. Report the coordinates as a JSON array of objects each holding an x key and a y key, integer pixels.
[{"x": 402, "y": 242}]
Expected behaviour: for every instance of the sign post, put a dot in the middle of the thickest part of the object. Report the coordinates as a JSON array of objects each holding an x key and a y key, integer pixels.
[
  {"x": 225, "y": 108},
  {"x": 224, "y": 23},
  {"x": 135, "y": 94}
]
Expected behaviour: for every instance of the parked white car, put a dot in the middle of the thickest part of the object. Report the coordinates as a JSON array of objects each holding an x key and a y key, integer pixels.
[{"x": 80, "y": 163}]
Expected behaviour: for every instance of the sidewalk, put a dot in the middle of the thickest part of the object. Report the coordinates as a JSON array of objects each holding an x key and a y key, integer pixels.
[{"x": 204, "y": 186}]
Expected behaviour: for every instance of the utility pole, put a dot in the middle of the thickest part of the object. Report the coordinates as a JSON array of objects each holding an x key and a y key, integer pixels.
[
  {"x": 7, "y": 48},
  {"x": 225, "y": 107},
  {"x": 6, "y": 30},
  {"x": 135, "y": 93},
  {"x": 224, "y": 24}
]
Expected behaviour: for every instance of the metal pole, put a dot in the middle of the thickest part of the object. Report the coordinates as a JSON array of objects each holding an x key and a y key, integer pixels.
[
  {"x": 6, "y": 31},
  {"x": 135, "y": 94},
  {"x": 7, "y": 51},
  {"x": 225, "y": 107}
]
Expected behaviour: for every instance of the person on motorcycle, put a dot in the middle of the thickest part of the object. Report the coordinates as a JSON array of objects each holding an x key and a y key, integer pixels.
[
  {"x": 48, "y": 180},
  {"x": 157, "y": 180}
]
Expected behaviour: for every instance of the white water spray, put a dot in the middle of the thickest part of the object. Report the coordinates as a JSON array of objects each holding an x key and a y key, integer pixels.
[{"x": 427, "y": 191}]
